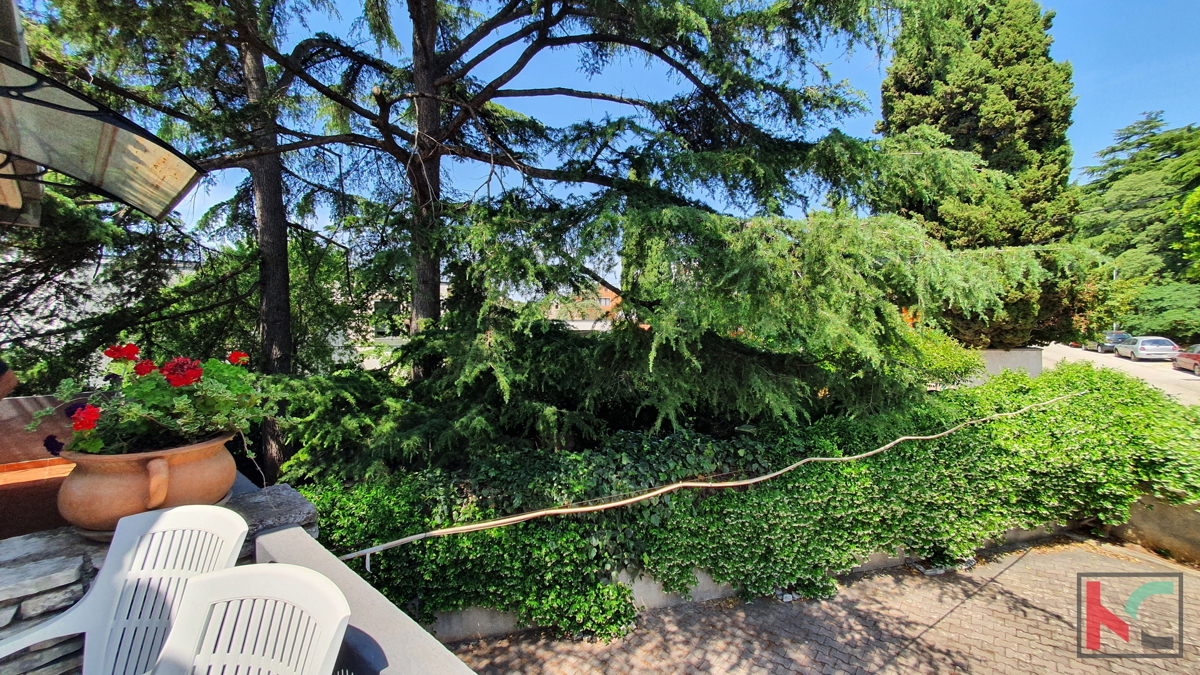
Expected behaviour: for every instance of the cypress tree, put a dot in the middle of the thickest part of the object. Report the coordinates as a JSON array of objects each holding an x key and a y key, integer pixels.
[{"x": 987, "y": 81}]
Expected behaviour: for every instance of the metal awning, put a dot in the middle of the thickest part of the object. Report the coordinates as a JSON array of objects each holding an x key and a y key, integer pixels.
[{"x": 47, "y": 124}]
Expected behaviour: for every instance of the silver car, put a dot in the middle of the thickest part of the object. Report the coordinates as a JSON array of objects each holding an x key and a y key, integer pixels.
[{"x": 1147, "y": 347}]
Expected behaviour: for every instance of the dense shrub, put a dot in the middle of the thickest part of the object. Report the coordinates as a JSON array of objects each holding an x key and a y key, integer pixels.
[
  {"x": 526, "y": 382},
  {"x": 1088, "y": 456}
]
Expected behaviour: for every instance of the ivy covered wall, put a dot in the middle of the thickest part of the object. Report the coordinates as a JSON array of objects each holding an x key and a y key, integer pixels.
[{"x": 1088, "y": 456}]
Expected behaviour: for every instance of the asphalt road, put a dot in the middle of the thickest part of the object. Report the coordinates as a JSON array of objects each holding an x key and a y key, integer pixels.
[{"x": 1181, "y": 385}]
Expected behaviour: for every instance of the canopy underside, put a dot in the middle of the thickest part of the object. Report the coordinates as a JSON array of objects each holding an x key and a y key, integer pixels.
[{"x": 45, "y": 124}]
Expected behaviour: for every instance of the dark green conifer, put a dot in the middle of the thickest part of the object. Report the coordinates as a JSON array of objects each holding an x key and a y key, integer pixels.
[{"x": 987, "y": 81}]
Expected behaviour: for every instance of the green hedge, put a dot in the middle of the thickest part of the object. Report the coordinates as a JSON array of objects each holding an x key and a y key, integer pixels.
[{"x": 1088, "y": 456}]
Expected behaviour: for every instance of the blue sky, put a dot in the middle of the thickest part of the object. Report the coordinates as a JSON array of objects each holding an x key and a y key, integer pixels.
[{"x": 1128, "y": 57}]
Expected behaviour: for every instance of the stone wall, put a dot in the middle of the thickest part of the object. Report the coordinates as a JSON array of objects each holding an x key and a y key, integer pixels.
[
  {"x": 41, "y": 575},
  {"x": 1159, "y": 526}
]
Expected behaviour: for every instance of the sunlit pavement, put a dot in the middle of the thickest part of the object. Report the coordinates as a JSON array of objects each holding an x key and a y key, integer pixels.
[
  {"x": 1181, "y": 385},
  {"x": 1014, "y": 614}
]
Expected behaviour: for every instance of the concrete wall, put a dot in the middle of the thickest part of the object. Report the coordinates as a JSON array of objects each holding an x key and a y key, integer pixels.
[
  {"x": 381, "y": 639},
  {"x": 475, "y": 623},
  {"x": 1163, "y": 527},
  {"x": 996, "y": 361}
]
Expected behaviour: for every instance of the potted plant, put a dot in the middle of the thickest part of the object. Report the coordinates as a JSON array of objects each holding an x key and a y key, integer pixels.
[{"x": 152, "y": 435}]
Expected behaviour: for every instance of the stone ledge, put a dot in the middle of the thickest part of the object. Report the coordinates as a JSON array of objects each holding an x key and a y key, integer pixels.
[
  {"x": 32, "y": 660},
  {"x": 270, "y": 508},
  {"x": 48, "y": 602},
  {"x": 7, "y": 614},
  {"x": 72, "y": 662},
  {"x": 41, "y": 574},
  {"x": 22, "y": 626},
  {"x": 58, "y": 543},
  {"x": 35, "y": 577}
]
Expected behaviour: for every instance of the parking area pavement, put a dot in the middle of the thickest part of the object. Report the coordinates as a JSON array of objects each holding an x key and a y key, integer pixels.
[
  {"x": 1181, "y": 385},
  {"x": 1014, "y": 613}
]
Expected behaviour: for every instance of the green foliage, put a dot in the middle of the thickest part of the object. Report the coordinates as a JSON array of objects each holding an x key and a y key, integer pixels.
[
  {"x": 769, "y": 312},
  {"x": 550, "y": 575},
  {"x": 1087, "y": 456},
  {"x": 975, "y": 117},
  {"x": 987, "y": 81},
  {"x": 1172, "y": 310},
  {"x": 69, "y": 287},
  {"x": 180, "y": 403},
  {"x": 1047, "y": 292},
  {"x": 1190, "y": 214},
  {"x": 729, "y": 322},
  {"x": 204, "y": 308},
  {"x": 192, "y": 73},
  {"x": 1138, "y": 209},
  {"x": 962, "y": 202},
  {"x": 218, "y": 310},
  {"x": 1133, "y": 208}
]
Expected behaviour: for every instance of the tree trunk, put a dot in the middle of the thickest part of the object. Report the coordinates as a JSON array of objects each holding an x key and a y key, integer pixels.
[
  {"x": 426, "y": 301},
  {"x": 425, "y": 176},
  {"x": 274, "y": 284}
]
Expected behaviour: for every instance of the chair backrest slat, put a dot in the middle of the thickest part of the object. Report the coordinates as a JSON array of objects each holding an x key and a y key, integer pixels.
[
  {"x": 144, "y": 577},
  {"x": 127, "y": 613},
  {"x": 257, "y": 620}
]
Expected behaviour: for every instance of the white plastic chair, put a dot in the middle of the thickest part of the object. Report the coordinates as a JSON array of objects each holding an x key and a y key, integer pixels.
[
  {"x": 128, "y": 611},
  {"x": 268, "y": 619}
]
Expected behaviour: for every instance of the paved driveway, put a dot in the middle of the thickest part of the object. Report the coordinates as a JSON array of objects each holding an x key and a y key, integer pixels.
[
  {"x": 1014, "y": 614},
  {"x": 1182, "y": 385}
]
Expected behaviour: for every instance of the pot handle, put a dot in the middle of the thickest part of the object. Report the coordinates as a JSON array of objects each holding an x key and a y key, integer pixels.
[{"x": 157, "y": 468}]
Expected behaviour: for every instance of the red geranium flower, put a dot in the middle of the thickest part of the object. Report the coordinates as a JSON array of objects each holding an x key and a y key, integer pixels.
[
  {"x": 181, "y": 371},
  {"x": 85, "y": 418},
  {"x": 238, "y": 358},
  {"x": 144, "y": 367},
  {"x": 127, "y": 353}
]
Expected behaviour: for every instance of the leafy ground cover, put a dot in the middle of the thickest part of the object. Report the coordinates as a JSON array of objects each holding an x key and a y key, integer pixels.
[{"x": 1088, "y": 456}]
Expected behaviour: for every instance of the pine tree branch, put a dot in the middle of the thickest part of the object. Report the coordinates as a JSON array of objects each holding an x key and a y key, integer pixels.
[
  {"x": 514, "y": 10},
  {"x": 310, "y": 47},
  {"x": 675, "y": 64},
  {"x": 490, "y": 90},
  {"x": 237, "y": 159},
  {"x": 327, "y": 239},
  {"x": 384, "y": 125},
  {"x": 496, "y": 46},
  {"x": 104, "y": 84},
  {"x": 574, "y": 93},
  {"x": 511, "y": 162},
  {"x": 288, "y": 64},
  {"x": 98, "y": 321},
  {"x": 595, "y": 276}
]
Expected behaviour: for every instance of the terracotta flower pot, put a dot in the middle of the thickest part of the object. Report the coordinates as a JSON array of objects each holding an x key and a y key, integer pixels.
[{"x": 102, "y": 489}]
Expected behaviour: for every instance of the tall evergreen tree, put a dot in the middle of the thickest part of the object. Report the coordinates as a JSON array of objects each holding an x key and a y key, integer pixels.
[
  {"x": 987, "y": 81},
  {"x": 1134, "y": 203},
  {"x": 736, "y": 128},
  {"x": 195, "y": 73},
  {"x": 1140, "y": 208}
]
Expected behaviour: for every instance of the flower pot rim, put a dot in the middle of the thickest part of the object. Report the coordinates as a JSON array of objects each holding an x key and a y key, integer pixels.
[{"x": 73, "y": 456}]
